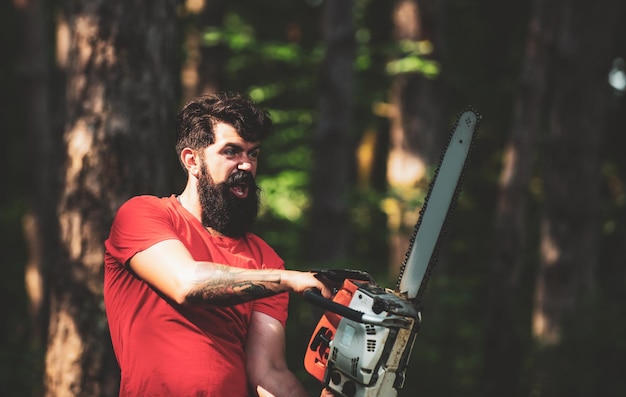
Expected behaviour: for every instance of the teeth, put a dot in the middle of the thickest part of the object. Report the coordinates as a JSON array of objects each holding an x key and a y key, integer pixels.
[{"x": 239, "y": 190}]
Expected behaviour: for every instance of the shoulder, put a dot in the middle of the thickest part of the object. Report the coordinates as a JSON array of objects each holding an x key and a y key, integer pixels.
[
  {"x": 143, "y": 200},
  {"x": 144, "y": 203},
  {"x": 143, "y": 207},
  {"x": 140, "y": 222}
]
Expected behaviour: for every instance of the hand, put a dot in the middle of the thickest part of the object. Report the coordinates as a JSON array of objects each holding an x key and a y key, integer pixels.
[{"x": 301, "y": 281}]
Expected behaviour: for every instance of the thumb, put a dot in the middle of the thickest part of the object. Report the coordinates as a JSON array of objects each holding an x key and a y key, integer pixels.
[{"x": 327, "y": 393}]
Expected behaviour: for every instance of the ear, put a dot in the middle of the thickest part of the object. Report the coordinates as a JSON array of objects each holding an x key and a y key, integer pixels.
[{"x": 191, "y": 161}]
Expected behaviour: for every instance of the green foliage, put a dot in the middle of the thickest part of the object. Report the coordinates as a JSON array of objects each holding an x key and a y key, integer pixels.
[
  {"x": 285, "y": 195},
  {"x": 241, "y": 39},
  {"x": 411, "y": 59}
]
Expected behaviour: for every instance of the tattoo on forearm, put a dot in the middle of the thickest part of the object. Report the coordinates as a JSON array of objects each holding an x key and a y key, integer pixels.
[{"x": 226, "y": 286}]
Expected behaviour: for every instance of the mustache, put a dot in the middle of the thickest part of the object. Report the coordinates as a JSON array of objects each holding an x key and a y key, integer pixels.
[{"x": 241, "y": 177}]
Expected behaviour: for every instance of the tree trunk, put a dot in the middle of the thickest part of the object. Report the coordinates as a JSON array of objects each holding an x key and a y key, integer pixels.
[
  {"x": 333, "y": 140},
  {"x": 572, "y": 169},
  {"x": 416, "y": 127},
  {"x": 503, "y": 350},
  {"x": 121, "y": 79},
  {"x": 204, "y": 64}
]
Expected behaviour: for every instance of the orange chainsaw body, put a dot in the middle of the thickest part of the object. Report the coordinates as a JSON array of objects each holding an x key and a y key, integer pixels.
[{"x": 316, "y": 357}]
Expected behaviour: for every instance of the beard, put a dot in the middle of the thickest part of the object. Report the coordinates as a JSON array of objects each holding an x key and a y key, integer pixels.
[{"x": 222, "y": 210}]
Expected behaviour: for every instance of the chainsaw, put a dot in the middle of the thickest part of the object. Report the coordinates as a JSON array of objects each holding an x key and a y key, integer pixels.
[{"x": 362, "y": 343}]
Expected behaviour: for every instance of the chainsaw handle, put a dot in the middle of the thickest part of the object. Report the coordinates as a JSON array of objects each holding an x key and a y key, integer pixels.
[{"x": 314, "y": 296}]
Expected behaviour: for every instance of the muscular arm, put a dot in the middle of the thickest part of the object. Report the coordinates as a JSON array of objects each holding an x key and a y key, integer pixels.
[
  {"x": 265, "y": 359},
  {"x": 169, "y": 267},
  {"x": 226, "y": 285}
]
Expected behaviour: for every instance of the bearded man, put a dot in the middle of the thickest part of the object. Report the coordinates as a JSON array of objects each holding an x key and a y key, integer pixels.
[{"x": 196, "y": 303}]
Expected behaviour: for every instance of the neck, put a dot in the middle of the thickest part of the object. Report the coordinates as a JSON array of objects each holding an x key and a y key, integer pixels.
[
  {"x": 190, "y": 200},
  {"x": 191, "y": 203}
]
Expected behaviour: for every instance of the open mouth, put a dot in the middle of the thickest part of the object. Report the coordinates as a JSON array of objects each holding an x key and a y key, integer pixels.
[{"x": 239, "y": 190}]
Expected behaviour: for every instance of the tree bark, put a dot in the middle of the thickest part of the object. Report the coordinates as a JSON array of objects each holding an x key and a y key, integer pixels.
[
  {"x": 503, "y": 349},
  {"x": 121, "y": 80},
  {"x": 333, "y": 141}
]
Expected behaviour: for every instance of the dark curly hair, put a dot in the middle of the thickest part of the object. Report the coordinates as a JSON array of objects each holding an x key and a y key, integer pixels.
[{"x": 196, "y": 120}]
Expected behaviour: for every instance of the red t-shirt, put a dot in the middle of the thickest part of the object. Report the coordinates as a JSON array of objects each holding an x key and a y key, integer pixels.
[{"x": 166, "y": 349}]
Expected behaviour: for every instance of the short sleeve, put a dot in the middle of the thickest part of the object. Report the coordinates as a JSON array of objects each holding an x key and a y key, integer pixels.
[
  {"x": 275, "y": 306},
  {"x": 139, "y": 223}
]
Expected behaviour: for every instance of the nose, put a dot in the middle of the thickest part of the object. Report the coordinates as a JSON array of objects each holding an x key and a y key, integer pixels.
[{"x": 245, "y": 165}]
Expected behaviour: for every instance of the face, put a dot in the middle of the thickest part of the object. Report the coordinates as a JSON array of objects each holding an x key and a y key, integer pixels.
[
  {"x": 230, "y": 153},
  {"x": 226, "y": 187}
]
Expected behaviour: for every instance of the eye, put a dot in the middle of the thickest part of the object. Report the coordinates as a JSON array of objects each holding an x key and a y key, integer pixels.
[{"x": 254, "y": 154}]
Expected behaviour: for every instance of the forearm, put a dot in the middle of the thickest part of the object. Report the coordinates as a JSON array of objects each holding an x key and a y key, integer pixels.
[{"x": 225, "y": 285}]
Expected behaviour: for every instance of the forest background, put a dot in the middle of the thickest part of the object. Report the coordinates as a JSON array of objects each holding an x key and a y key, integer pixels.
[{"x": 528, "y": 296}]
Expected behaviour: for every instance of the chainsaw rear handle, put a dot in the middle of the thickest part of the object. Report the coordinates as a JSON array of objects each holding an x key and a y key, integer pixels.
[{"x": 314, "y": 296}]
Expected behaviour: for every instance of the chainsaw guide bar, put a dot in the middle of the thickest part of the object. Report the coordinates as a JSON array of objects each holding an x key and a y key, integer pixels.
[{"x": 431, "y": 228}]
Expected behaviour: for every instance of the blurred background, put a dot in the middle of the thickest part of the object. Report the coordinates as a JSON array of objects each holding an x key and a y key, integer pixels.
[{"x": 528, "y": 295}]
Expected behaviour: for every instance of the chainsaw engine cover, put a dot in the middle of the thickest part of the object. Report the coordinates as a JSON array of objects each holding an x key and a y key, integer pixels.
[{"x": 353, "y": 357}]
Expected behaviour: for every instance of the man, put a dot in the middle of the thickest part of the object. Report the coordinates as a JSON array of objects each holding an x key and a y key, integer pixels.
[{"x": 196, "y": 303}]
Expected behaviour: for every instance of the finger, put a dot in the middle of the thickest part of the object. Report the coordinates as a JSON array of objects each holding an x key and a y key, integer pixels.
[
  {"x": 264, "y": 393},
  {"x": 326, "y": 292},
  {"x": 327, "y": 393}
]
